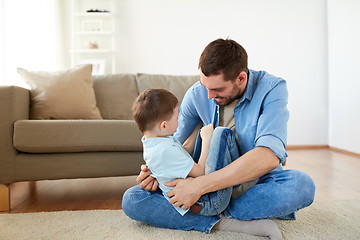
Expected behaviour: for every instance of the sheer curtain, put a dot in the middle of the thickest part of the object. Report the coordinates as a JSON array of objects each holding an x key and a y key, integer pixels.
[{"x": 31, "y": 38}]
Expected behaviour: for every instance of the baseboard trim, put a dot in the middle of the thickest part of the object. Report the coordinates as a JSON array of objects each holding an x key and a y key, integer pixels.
[
  {"x": 310, "y": 147},
  {"x": 302, "y": 147},
  {"x": 345, "y": 152}
]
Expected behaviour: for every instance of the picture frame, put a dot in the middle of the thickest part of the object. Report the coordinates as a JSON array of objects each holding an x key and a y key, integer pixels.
[
  {"x": 92, "y": 25},
  {"x": 98, "y": 65}
]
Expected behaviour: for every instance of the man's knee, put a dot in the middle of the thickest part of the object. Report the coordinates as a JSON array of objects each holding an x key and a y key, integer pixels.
[
  {"x": 130, "y": 199},
  {"x": 305, "y": 186}
]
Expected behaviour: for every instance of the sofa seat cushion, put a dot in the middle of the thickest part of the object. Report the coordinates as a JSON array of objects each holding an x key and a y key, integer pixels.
[{"x": 51, "y": 136}]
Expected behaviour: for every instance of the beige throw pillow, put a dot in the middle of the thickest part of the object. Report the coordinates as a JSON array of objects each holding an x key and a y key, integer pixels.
[{"x": 62, "y": 95}]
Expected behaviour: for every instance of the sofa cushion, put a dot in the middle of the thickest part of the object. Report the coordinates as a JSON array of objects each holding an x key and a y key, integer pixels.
[
  {"x": 56, "y": 136},
  {"x": 115, "y": 94},
  {"x": 178, "y": 85},
  {"x": 62, "y": 95}
]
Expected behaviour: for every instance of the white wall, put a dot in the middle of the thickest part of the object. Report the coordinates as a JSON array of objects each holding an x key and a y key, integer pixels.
[
  {"x": 288, "y": 38},
  {"x": 344, "y": 78},
  {"x": 284, "y": 37},
  {"x": 32, "y": 37}
]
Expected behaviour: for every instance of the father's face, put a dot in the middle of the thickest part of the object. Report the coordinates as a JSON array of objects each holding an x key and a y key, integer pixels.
[{"x": 224, "y": 92}]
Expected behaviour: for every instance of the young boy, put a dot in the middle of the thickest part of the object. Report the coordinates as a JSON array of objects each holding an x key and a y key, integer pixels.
[{"x": 156, "y": 114}]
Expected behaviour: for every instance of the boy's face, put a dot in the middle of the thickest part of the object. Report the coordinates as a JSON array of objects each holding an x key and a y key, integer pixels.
[{"x": 172, "y": 123}]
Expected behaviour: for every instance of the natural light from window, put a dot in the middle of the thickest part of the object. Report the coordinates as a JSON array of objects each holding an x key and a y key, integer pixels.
[{"x": 30, "y": 37}]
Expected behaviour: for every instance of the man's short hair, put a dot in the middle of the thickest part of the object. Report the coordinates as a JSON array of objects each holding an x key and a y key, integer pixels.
[
  {"x": 223, "y": 56},
  {"x": 153, "y": 105}
]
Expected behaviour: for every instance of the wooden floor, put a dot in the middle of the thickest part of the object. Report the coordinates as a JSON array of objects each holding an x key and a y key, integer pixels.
[{"x": 336, "y": 176}]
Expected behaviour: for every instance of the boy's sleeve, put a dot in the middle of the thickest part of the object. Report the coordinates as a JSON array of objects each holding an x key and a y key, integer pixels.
[{"x": 175, "y": 163}]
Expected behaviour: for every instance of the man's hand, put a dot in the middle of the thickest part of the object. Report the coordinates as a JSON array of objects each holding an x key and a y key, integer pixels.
[
  {"x": 185, "y": 192},
  {"x": 146, "y": 181}
]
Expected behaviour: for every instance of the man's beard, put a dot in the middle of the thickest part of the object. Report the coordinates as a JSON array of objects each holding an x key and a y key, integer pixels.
[{"x": 229, "y": 100}]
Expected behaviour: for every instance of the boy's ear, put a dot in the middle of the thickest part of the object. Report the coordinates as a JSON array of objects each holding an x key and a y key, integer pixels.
[{"x": 162, "y": 125}]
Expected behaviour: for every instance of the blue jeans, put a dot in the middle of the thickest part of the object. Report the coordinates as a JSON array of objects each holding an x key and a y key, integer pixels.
[
  {"x": 222, "y": 146},
  {"x": 277, "y": 194}
]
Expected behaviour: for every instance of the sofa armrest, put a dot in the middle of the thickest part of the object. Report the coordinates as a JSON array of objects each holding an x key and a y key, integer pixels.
[{"x": 14, "y": 105}]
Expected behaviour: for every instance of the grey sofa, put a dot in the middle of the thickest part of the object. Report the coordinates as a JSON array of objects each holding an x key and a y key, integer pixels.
[{"x": 33, "y": 150}]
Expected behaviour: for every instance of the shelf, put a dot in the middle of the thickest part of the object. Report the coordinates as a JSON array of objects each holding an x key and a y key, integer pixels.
[
  {"x": 93, "y": 14},
  {"x": 94, "y": 33},
  {"x": 94, "y": 29},
  {"x": 92, "y": 50}
]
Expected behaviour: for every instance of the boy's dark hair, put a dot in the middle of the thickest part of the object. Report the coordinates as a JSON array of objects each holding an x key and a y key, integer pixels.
[
  {"x": 153, "y": 105},
  {"x": 223, "y": 56}
]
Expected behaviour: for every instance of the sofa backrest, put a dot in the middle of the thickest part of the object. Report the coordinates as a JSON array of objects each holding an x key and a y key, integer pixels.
[{"x": 115, "y": 93}]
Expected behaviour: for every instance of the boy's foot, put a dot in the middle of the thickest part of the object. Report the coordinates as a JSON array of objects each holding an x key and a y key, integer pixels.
[{"x": 262, "y": 227}]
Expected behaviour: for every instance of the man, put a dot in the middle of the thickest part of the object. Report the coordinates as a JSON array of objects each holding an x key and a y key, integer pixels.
[{"x": 257, "y": 103}]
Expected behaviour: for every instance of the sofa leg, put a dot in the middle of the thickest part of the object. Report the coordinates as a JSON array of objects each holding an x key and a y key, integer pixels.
[{"x": 4, "y": 197}]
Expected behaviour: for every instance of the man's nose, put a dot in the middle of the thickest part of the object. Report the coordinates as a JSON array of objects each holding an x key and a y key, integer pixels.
[{"x": 211, "y": 94}]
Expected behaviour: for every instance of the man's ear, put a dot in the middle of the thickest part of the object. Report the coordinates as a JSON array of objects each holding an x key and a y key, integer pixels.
[{"x": 242, "y": 78}]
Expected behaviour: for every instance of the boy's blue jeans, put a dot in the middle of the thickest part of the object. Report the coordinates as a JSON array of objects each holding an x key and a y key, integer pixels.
[
  {"x": 277, "y": 194},
  {"x": 223, "y": 146}
]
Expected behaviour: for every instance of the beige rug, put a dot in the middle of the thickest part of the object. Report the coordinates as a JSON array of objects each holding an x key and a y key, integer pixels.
[{"x": 322, "y": 220}]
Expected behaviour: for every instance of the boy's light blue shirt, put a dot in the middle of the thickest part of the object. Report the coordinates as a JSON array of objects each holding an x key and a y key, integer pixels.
[
  {"x": 261, "y": 114},
  {"x": 167, "y": 160}
]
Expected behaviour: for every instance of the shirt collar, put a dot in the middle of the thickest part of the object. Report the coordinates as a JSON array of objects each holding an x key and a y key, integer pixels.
[
  {"x": 150, "y": 142},
  {"x": 250, "y": 87}
]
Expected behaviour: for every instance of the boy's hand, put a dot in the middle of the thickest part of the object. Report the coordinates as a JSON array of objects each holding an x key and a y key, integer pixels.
[
  {"x": 146, "y": 181},
  {"x": 206, "y": 132}
]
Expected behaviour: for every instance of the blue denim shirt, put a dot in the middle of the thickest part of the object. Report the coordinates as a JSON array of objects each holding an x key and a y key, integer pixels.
[{"x": 261, "y": 115}]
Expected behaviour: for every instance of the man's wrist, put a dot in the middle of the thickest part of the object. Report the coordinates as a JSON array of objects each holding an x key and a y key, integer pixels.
[{"x": 201, "y": 184}]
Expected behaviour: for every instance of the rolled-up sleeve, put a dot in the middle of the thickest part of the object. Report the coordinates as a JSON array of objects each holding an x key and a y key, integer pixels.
[
  {"x": 272, "y": 124},
  {"x": 188, "y": 117}
]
